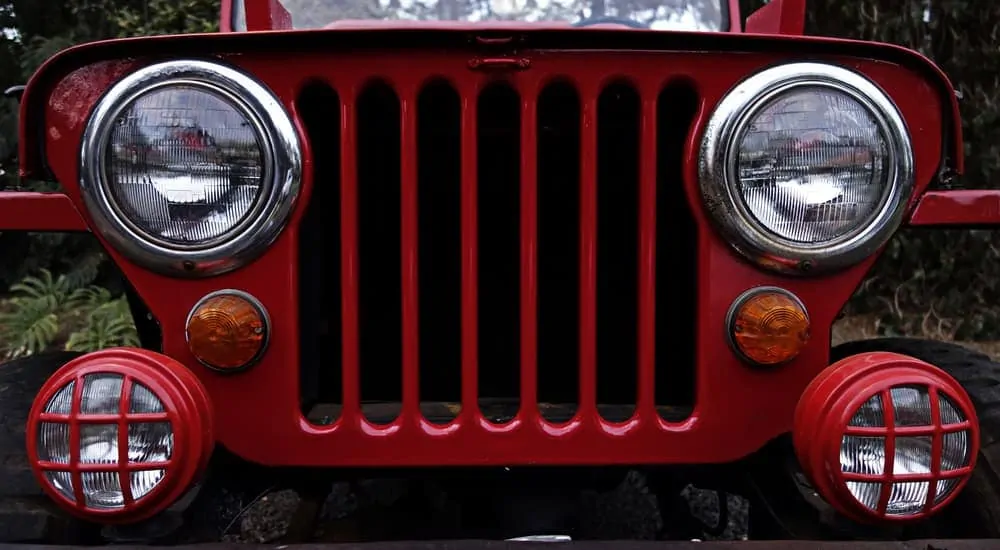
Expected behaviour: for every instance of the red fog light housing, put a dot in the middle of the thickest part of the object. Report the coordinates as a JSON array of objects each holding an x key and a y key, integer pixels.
[
  {"x": 118, "y": 435},
  {"x": 886, "y": 437}
]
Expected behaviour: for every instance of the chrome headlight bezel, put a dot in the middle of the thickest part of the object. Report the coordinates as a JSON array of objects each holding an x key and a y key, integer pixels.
[
  {"x": 718, "y": 176},
  {"x": 281, "y": 154}
]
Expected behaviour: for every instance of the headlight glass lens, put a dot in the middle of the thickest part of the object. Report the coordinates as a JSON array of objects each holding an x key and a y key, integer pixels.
[
  {"x": 812, "y": 165},
  {"x": 184, "y": 165}
]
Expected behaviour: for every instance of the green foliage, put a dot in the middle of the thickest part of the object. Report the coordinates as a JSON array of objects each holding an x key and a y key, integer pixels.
[
  {"x": 47, "y": 310},
  {"x": 107, "y": 322},
  {"x": 929, "y": 281},
  {"x": 153, "y": 17}
]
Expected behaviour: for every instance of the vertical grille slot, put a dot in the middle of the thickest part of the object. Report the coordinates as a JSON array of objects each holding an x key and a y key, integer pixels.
[
  {"x": 439, "y": 181},
  {"x": 319, "y": 252},
  {"x": 676, "y": 256},
  {"x": 379, "y": 226},
  {"x": 618, "y": 119},
  {"x": 558, "y": 116},
  {"x": 499, "y": 155}
]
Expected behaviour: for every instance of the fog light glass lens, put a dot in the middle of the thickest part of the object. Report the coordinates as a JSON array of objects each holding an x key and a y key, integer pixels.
[
  {"x": 954, "y": 450},
  {"x": 53, "y": 442},
  {"x": 912, "y": 406},
  {"x": 102, "y": 490},
  {"x": 907, "y": 498},
  {"x": 63, "y": 482},
  {"x": 99, "y": 444},
  {"x": 144, "y": 402},
  {"x": 144, "y": 481},
  {"x": 866, "y": 492},
  {"x": 62, "y": 401},
  {"x": 862, "y": 455},
  {"x": 912, "y": 455},
  {"x": 870, "y": 415},
  {"x": 150, "y": 442},
  {"x": 102, "y": 394}
]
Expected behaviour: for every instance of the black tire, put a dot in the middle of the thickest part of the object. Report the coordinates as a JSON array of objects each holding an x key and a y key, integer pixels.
[
  {"x": 26, "y": 514},
  {"x": 976, "y": 511}
]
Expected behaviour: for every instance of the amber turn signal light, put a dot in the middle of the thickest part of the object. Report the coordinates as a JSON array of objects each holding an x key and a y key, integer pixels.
[
  {"x": 227, "y": 330},
  {"x": 768, "y": 326}
]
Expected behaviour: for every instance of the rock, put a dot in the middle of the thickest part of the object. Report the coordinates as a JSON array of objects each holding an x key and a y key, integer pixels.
[
  {"x": 340, "y": 503},
  {"x": 628, "y": 512},
  {"x": 267, "y": 519},
  {"x": 705, "y": 507}
]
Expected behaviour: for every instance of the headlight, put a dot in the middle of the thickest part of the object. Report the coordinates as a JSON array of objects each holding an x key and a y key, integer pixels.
[
  {"x": 120, "y": 434},
  {"x": 190, "y": 167},
  {"x": 806, "y": 167},
  {"x": 886, "y": 437}
]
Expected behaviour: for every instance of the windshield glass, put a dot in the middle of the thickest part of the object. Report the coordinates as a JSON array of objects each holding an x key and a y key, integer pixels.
[{"x": 692, "y": 15}]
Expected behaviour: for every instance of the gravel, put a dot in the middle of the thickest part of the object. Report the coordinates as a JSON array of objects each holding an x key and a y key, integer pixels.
[{"x": 627, "y": 512}]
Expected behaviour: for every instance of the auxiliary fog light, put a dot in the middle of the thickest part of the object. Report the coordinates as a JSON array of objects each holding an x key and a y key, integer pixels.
[
  {"x": 768, "y": 326},
  {"x": 119, "y": 435},
  {"x": 227, "y": 330},
  {"x": 886, "y": 437}
]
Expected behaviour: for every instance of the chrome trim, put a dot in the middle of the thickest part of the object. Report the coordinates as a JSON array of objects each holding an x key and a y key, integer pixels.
[
  {"x": 253, "y": 302},
  {"x": 738, "y": 303},
  {"x": 282, "y": 159},
  {"x": 717, "y": 165}
]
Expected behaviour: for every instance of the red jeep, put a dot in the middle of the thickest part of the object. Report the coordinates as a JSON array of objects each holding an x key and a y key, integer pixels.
[{"x": 530, "y": 248}]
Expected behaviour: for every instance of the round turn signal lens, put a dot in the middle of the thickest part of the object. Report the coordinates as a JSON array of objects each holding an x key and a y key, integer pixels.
[
  {"x": 768, "y": 326},
  {"x": 227, "y": 330}
]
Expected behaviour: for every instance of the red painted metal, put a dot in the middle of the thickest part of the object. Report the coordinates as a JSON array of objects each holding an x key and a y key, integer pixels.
[
  {"x": 187, "y": 408},
  {"x": 101, "y": 60},
  {"x": 825, "y": 410},
  {"x": 267, "y": 15},
  {"x": 645, "y": 401},
  {"x": 977, "y": 207},
  {"x": 348, "y": 259},
  {"x": 408, "y": 261},
  {"x": 735, "y": 20},
  {"x": 226, "y": 16},
  {"x": 779, "y": 17},
  {"x": 30, "y": 211},
  {"x": 278, "y": 434}
]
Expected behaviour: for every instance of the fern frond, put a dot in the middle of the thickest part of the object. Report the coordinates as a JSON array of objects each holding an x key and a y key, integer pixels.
[
  {"x": 109, "y": 324},
  {"x": 85, "y": 270}
]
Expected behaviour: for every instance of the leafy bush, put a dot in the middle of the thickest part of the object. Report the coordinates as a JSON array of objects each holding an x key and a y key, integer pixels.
[{"x": 46, "y": 311}]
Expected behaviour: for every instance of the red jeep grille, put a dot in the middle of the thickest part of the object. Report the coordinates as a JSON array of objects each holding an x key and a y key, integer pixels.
[{"x": 520, "y": 247}]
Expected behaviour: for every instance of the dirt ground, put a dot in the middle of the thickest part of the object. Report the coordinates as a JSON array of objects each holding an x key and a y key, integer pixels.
[{"x": 864, "y": 327}]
